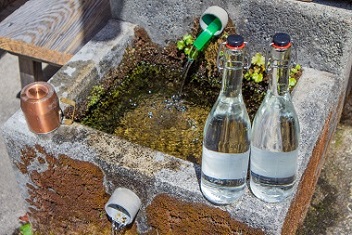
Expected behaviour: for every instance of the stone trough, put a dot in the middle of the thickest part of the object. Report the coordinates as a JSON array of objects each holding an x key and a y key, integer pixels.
[{"x": 66, "y": 176}]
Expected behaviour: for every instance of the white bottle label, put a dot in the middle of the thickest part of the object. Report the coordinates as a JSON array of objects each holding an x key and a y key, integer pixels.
[
  {"x": 273, "y": 164},
  {"x": 225, "y": 165}
]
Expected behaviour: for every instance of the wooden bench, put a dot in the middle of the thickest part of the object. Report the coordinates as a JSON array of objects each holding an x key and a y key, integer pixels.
[{"x": 51, "y": 32}]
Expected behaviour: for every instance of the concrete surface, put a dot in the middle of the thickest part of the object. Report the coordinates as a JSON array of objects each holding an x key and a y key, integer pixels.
[{"x": 12, "y": 204}]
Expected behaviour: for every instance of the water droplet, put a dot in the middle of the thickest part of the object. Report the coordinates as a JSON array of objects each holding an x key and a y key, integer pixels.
[
  {"x": 150, "y": 114},
  {"x": 349, "y": 206},
  {"x": 116, "y": 226}
]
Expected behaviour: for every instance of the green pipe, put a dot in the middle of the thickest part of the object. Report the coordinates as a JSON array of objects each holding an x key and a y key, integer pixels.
[{"x": 205, "y": 37}]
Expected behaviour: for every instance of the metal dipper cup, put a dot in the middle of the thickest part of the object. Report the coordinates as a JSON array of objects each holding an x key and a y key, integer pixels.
[{"x": 40, "y": 106}]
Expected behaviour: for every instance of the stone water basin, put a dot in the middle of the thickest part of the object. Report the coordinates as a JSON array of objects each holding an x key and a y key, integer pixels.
[{"x": 66, "y": 176}]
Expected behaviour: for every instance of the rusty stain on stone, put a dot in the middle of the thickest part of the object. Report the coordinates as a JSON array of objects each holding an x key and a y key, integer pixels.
[
  {"x": 68, "y": 197},
  {"x": 168, "y": 215}
]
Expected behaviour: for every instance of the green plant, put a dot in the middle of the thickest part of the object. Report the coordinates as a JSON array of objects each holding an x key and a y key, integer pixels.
[
  {"x": 294, "y": 73},
  {"x": 26, "y": 229},
  {"x": 95, "y": 95},
  {"x": 256, "y": 72},
  {"x": 185, "y": 44}
]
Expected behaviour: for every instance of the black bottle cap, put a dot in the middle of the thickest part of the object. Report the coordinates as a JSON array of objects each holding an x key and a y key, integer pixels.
[
  {"x": 281, "y": 39},
  {"x": 235, "y": 40}
]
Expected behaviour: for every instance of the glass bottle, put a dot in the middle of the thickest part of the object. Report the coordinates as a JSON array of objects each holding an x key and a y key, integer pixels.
[
  {"x": 275, "y": 133},
  {"x": 226, "y": 141}
]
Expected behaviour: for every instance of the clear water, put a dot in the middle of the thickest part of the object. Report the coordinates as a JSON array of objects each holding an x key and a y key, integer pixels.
[
  {"x": 119, "y": 220},
  {"x": 116, "y": 227},
  {"x": 223, "y": 177},
  {"x": 272, "y": 174},
  {"x": 184, "y": 75}
]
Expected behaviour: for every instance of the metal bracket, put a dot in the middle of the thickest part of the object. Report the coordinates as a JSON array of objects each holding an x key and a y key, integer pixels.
[{"x": 71, "y": 103}]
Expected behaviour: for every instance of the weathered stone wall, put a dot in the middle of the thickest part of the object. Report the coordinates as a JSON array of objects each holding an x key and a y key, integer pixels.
[
  {"x": 169, "y": 187},
  {"x": 319, "y": 32}
]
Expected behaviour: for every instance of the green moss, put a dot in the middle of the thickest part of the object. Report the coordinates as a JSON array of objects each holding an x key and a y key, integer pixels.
[
  {"x": 338, "y": 139},
  {"x": 173, "y": 129},
  {"x": 95, "y": 95},
  {"x": 106, "y": 113},
  {"x": 141, "y": 109},
  {"x": 26, "y": 229}
]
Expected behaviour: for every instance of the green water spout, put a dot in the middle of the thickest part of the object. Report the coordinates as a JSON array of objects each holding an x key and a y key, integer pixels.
[
  {"x": 213, "y": 22},
  {"x": 207, "y": 34}
]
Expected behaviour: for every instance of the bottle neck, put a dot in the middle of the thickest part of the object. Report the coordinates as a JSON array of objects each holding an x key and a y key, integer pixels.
[
  {"x": 278, "y": 69},
  {"x": 232, "y": 82},
  {"x": 232, "y": 73}
]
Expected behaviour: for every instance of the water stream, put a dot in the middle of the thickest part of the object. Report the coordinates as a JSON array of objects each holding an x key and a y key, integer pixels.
[
  {"x": 116, "y": 227},
  {"x": 184, "y": 76}
]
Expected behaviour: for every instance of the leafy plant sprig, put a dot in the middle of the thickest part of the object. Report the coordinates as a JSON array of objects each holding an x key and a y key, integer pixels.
[
  {"x": 26, "y": 229},
  {"x": 185, "y": 44},
  {"x": 257, "y": 72},
  {"x": 293, "y": 73}
]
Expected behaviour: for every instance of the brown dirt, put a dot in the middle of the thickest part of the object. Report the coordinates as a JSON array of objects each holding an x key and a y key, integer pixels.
[{"x": 346, "y": 116}]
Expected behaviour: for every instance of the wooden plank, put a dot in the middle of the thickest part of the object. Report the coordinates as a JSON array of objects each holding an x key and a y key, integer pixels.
[
  {"x": 53, "y": 31},
  {"x": 21, "y": 48}
]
